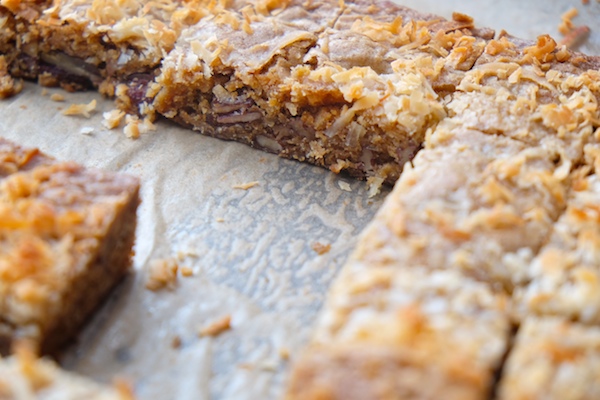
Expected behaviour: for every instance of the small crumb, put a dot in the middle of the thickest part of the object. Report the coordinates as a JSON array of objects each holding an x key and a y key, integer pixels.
[
  {"x": 246, "y": 186},
  {"x": 262, "y": 160},
  {"x": 187, "y": 271},
  {"x": 112, "y": 119},
  {"x": 321, "y": 248},
  {"x": 44, "y": 92},
  {"x": 23, "y": 107},
  {"x": 284, "y": 353},
  {"x": 84, "y": 110},
  {"x": 345, "y": 186},
  {"x": 220, "y": 219},
  {"x": 162, "y": 273},
  {"x": 134, "y": 127},
  {"x": 217, "y": 327},
  {"x": 176, "y": 342},
  {"x": 374, "y": 183},
  {"x": 86, "y": 130},
  {"x": 57, "y": 97}
]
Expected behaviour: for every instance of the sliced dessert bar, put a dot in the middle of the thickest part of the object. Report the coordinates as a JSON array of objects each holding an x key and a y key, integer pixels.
[
  {"x": 564, "y": 279},
  {"x": 421, "y": 310},
  {"x": 390, "y": 332},
  {"x": 306, "y": 83},
  {"x": 24, "y": 377},
  {"x": 552, "y": 359},
  {"x": 66, "y": 236}
]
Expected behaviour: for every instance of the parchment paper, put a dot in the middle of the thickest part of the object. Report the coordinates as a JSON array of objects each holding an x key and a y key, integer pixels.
[{"x": 250, "y": 250}]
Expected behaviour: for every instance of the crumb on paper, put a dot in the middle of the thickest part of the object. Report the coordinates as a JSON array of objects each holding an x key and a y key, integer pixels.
[
  {"x": 187, "y": 271},
  {"x": 23, "y": 107},
  {"x": 44, "y": 92},
  {"x": 162, "y": 273},
  {"x": 183, "y": 254},
  {"x": 284, "y": 353},
  {"x": 220, "y": 220},
  {"x": 84, "y": 110},
  {"x": 86, "y": 130},
  {"x": 321, "y": 248},
  {"x": 374, "y": 183},
  {"x": 216, "y": 327},
  {"x": 112, "y": 119},
  {"x": 246, "y": 186},
  {"x": 57, "y": 97},
  {"x": 345, "y": 186},
  {"x": 134, "y": 127},
  {"x": 176, "y": 342}
]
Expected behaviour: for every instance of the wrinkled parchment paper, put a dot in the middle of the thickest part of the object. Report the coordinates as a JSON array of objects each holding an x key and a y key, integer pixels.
[{"x": 251, "y": 251}]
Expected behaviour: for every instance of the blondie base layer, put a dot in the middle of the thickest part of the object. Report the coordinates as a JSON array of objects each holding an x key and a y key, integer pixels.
[{"x": 66, "y": 236}]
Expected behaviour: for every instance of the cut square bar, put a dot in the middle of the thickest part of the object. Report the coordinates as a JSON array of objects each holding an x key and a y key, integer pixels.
[{"x": 66, "y": 237}]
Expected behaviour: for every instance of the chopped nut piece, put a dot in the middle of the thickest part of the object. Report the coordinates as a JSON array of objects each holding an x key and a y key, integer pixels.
[
  {"x": 84, "y": 110},
  {"x": 162, "y": 274},
  {"x": 217, "y": 327}
]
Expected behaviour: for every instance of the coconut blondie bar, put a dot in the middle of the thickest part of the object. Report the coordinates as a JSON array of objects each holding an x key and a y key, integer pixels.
[
  {"x": 66, "y": 236},
  {"x": 553, "y": 358},
  {"x": 564, "y": 278},
  {"x": 480, "y": 200},
  {"x": 349, "y": 86}
]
